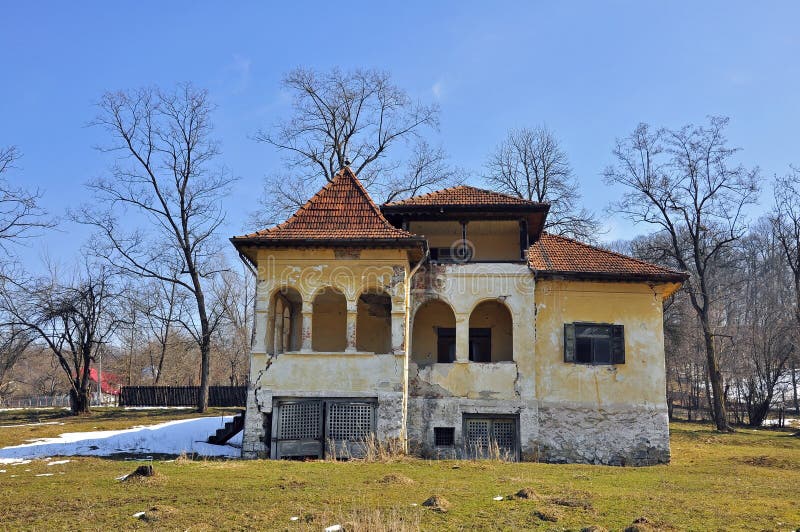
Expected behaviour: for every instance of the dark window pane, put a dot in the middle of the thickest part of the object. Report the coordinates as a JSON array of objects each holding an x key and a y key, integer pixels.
[
  {"x": 602, "y": 350},
  {"x": 583, "y": 350},
  {"x": 444, "y": 436},
  {"x": 480, "y": 345},
  {"x": 445, "y": 345}
]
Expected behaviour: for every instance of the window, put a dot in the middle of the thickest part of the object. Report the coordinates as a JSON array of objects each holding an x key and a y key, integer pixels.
[
  {"x": 445, "y": 345},
  {"x": 444, "y": 436},
  {"x": 480, "y": 344},
  {"x": 594, "y": 343}
]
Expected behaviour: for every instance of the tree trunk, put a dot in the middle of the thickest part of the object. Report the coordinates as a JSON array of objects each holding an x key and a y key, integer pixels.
[
  {"x": 794, "y": 388},
  {"x": 79, "y": 401},
  {"x": 715, "y": 380}
]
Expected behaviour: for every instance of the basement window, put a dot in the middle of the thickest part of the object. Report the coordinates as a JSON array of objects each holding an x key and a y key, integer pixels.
[
  {"x": 594, "y": 343},
  {"x": 444, "y": 436}
]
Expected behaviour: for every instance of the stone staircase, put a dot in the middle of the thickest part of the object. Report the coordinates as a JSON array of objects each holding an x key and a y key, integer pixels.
[{"x": 231, "y": 429}]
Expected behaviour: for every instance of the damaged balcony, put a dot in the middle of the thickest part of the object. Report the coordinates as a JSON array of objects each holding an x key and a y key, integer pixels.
[{"x": 471, "y": 357}]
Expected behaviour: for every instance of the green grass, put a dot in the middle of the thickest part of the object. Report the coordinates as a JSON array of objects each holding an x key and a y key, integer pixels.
[{"x": 747, "y": 480}]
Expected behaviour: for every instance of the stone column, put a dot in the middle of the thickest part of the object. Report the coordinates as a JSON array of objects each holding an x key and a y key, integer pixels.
[
  {"x": 462, "y": 338},
  {"x": 398, "y": 332},
  {"x": 352, "y": 315},
  {"x": 305, "y": 332}
]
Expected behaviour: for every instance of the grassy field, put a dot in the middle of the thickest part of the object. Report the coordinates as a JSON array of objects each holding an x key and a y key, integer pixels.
[{"x": 747, "y": 480}]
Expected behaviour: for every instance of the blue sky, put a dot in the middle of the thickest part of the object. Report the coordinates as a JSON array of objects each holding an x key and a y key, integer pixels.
[{"x": 589, "y": 70}]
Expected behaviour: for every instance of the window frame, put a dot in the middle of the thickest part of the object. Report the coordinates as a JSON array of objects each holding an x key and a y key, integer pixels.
[{"x": 616, "y": 340}]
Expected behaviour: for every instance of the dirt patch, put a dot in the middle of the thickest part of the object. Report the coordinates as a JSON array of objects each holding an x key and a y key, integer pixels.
[
  {"x": 396, "y": 478},
  {"x": 766, "y": 461},
  {"x": 437, "y": 503},
  {"x": 156, "y": 479},
  {"x": 526, "y": 493},
  {"x": 640, "y": 524},
  {"x": 594, "y": 528},
  {"x": 551, "y": 515},
  {"x": 572, "y": 502}
]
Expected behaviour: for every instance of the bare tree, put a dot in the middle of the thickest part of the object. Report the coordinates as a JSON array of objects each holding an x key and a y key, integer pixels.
[
  {"x": 785, "y": 219},
  {"x": 347, "y": 118},
  {"x": 14, "y": 342},
  {"x": 427, "y": 169},
  {"x": 685, "y": 183},
  {"x": 164, "y": 174},
  {"x": 761, "y": 320},
  {"x": 20, "y": 214},
  {"x": 531, "y": 165},
  {"x": 73, "y": 319},
  {"x": 161, "y": 306},
  {"x": 235, "y": 294}
]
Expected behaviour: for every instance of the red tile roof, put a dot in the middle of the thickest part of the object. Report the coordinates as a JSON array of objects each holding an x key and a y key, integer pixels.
[
  {"x": 553, "y": 255},
  {"x": 461, "y": 195},
  {"x": 341, "y": 211}
]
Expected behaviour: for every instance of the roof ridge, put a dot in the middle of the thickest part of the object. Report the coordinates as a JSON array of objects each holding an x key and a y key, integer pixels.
[
  {"x": 604, "y": 250},
  {"x": 360, "y": 186},
  {"x": 342, "y": 205},
  {"x": 432, "y": 195}
]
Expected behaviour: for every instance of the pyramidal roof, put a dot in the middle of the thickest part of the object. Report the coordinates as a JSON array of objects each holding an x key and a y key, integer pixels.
[
  {"x": 560, "y": 256},
  {"x": 462, "y": 195},
  {"x": 342, "y": 211}
]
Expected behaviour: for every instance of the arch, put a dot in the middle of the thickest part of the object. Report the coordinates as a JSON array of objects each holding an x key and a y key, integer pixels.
[
  {"x": 329, "y": 320},
  {"x": 491, "y": 332},
  {"x": 433, "y": 333},
  {"x": 285, "y": 323},
  {"x": 374, "y": 321}
]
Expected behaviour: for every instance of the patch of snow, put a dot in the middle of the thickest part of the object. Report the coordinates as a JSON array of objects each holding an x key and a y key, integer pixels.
[
  {"x": 788, "y": 421},
  {"x": 158, "y": 407},
  {"x": 2, "y": 470},
  {"x": 59, "y": 462},
  {"x": 138, "y": 515},
  {"x": 32, "y": 424},
  {"x": 172, "y": 437},
  {"x": 14, "y": 461},
  {"x": 44, "y": 475}
]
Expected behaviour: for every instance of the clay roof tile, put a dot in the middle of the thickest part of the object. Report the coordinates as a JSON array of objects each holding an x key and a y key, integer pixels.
[{"x": 554, "y": 255}]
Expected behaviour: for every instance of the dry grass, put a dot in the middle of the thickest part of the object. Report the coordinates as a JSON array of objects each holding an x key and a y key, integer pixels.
[{"x": 742, "y": 481}]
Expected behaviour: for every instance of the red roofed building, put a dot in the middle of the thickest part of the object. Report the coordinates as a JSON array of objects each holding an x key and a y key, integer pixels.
[{"x": 451, "y": 322}]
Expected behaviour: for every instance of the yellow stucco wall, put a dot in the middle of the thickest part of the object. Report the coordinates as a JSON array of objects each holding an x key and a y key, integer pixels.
[
  {"x": 350, "y": 272},
  {"x": 640, "y": 381},
  {"x": 495, "y": 316},
  {"x": 495, "y": 239}
]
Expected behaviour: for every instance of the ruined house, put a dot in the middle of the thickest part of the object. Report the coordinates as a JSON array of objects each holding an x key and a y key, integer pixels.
[{"x": 450, "y": 323}]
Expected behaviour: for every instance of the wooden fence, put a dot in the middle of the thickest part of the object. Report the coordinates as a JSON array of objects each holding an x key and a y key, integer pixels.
[{"x": 181, "y": 395}]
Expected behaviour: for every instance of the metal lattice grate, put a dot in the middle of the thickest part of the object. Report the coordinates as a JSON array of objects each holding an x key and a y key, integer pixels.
[
  {"x": 478, "y": 433},
  {"x": 350, "y": 421},
  {"x": 300, "y": 420},
  {"x": 504, "y": 433},
  {"x": 484, "y": 436},
  {"x": 444, "y": 436}
]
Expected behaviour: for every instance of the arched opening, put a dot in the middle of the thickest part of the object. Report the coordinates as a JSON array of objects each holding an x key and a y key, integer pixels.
[
  {"x": 374, "y": 322},
  {"x": 329, "y": 321},
  {"x": 491, "y": 333},
  {"x": 434, "y": 334},
  {"x": 286, "y": 321}
]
